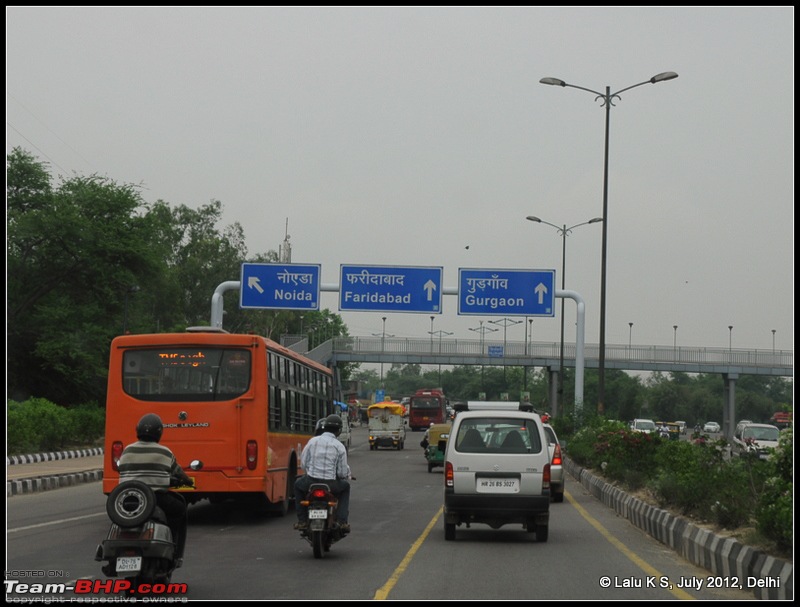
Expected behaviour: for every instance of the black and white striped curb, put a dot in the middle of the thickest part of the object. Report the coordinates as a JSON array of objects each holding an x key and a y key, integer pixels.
[
  {"x": 57, "y": 481},
  {"x": 36, "y": 458},
  {"x": 720, "y": 555}
]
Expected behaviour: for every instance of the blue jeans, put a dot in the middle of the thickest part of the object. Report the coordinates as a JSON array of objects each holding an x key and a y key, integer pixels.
[{"x": 340, "y": 488}]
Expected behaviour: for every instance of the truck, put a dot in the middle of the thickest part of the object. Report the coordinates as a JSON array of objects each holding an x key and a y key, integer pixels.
[{"x": 386, "y": 426}]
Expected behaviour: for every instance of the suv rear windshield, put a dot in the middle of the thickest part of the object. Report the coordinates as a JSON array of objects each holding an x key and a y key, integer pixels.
[{"x": 498, "y": 435}]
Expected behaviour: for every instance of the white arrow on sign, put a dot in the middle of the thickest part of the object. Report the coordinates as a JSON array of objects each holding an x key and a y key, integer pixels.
[
  {"x": 253, "y": 283},
  {"x": 540, "y": 290},
  {"x": 430, "y": 287}
]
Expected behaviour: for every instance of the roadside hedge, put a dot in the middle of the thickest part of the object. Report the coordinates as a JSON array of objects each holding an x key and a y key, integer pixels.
[{"x": 38, "y": 425}]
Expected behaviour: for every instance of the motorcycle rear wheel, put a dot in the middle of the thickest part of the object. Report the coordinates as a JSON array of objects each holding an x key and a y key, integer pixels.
[{"x": 318, "y": 543}]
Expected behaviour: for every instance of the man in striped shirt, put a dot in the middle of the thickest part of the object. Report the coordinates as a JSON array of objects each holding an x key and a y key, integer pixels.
[{"x": 155, "y": 466}]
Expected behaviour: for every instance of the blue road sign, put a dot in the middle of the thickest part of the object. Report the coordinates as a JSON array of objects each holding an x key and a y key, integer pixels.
[
  {"x": 506, "y": 292},
  {"x": 279, "y": 286},
  {"x": 495, "y": 351},
  {"x": 390, "y": 289}
]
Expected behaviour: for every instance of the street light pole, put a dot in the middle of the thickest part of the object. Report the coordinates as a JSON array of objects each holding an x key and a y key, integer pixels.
[
  {"x": 563, "y": 231},
  {"x": 505, "y": 323},
  {"x": 630, "y": 334},
  {"x": 607, "y": 98},
  {"x": 440, "y": 333},
  {"x": 773, "y": 342},
  {"x": 383, "y": 337},
  {"x": 482, "y": 330},
  {"x": 730, "y": 340},
  {"x": 674, "y": 341},
  {"x": 431, "y": 332}
]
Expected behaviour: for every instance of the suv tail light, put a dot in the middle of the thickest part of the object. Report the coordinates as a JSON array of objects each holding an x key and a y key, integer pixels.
[
  {"x": 546, "y": 477},
  {"x": 557, "y": 455},
  {"x": 448, "y": 474}
]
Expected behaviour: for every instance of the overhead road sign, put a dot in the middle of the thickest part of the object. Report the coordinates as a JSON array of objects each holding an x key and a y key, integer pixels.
[
  {"x": 390, "y": 289},
  {"x": 484, "y": 292},
  {"x": 275, "y": 286}
]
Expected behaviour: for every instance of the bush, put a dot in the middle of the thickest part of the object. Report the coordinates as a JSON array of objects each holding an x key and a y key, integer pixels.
[
  {"x": 38, "y": 425},
  {"x": 775, "y": 508}
]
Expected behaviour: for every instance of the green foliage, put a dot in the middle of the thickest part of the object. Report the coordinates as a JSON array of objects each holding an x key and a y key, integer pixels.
[
  {"x": 775, "y": 509},
  {"x": 38, "y": 425}
]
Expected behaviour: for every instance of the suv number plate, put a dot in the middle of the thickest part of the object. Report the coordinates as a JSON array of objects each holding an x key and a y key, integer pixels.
[
  {"x": 129, "y": 564},
  {"x": 317, "y": 514},
  {"x": 497, "y": 485}
]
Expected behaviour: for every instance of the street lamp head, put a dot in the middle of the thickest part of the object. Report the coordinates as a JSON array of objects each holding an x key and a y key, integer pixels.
[
  {"x": 533, "y": 218},
  {"x": 557, "y": 82},
  {"x": 595, "y": 220},
  {"x": 663, "y": 77}
]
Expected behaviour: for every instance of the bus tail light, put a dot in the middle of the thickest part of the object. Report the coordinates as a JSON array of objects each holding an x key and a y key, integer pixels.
[
  {"x": 252, "y": 454},
  {"x": 116, "y": 453},
  {"x": 448, "y": 474}
]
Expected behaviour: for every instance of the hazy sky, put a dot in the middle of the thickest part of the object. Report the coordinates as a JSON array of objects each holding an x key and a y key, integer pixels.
[{"x": 399, "y": 136}]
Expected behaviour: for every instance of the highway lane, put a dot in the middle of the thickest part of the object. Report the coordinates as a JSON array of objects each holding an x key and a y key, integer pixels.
[{"x": 397, "y": 549}]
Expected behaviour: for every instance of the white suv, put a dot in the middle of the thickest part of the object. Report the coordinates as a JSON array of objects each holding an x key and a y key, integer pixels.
[{"x": 497, "y": 470}]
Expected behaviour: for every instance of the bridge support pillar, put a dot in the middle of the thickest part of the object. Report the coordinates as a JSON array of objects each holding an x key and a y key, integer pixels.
[{"x": 729, "y": 404}]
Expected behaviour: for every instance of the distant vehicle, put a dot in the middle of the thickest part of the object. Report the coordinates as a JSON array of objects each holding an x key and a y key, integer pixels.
[
  {"x": 427, "y": 406},
  {"x": 556, "y": 465},
  {"x": 681, "y": 425},
  {"x": 386, "y": 426},
  {"x": 757, "y": 439},
  {"x": 782, "y": 419},
  {"x": 647, "y": 426},
  {"x": 711, "y": 427},
  {"x": 737, "y": 433}
]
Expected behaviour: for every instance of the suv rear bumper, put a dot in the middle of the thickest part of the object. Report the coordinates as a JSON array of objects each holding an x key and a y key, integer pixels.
[{"x": 492, "y": 508}]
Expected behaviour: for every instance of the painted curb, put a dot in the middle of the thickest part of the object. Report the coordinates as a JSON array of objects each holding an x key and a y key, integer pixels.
[
  {"x": 718, "y": 555},
  {"x": 35, "y": 458},
  {"x": 46, "y": 483}
]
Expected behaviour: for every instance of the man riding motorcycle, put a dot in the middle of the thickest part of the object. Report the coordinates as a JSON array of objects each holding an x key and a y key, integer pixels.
[
  {"x": 155, "y": 465},
  {"x": 324, "y": 459}
]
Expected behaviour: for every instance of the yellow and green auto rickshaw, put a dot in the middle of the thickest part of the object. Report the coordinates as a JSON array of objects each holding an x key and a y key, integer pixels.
[{"x": 437, "y": 436}]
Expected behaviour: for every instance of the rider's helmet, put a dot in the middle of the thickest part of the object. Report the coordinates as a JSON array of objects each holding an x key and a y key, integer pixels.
[
  {"x": 149, "y": 428},
  {"x": 333, "y": 423}
]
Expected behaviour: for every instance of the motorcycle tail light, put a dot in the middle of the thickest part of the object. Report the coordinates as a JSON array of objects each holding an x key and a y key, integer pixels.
[{"x": 318, "y": 493}]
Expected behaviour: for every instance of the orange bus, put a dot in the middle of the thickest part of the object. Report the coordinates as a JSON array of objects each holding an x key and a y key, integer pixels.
[{"x": 242, "y": 404}]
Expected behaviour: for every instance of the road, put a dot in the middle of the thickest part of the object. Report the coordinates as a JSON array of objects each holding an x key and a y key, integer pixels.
[{"x": 396, "y": 551}]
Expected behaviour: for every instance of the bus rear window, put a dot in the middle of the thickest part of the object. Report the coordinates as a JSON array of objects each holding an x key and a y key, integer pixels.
[{"x": 186, "y": 373}]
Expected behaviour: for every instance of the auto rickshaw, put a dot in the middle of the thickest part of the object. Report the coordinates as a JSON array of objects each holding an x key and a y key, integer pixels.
[{"x": 437, "y": 441}]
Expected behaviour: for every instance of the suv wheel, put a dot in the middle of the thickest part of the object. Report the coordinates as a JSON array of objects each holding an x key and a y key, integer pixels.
[{"x": 542, "y": 531}]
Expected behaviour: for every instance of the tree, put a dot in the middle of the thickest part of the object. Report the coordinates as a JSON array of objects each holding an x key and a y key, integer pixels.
[{"x": 73, "y": 251}]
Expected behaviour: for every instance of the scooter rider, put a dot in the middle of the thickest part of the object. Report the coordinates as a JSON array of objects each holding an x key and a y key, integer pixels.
[
  {"x": 324, "y": 459},
  {"x": 155, "y": 466}
]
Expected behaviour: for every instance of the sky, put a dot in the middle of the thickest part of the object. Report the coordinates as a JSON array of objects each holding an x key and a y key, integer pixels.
[{"x": 421, "y": 136}]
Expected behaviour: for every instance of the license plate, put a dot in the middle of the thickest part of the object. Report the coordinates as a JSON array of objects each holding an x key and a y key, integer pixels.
[
  {"x": 498, "y": 485},
  {"x": 127, "y": 564},
  {"x": 317, "y": 514}
]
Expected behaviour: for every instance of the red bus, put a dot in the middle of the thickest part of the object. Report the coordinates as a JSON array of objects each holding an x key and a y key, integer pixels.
[
  {"x": 427, "y": 406},
  {"x": 242, "y": 404}
]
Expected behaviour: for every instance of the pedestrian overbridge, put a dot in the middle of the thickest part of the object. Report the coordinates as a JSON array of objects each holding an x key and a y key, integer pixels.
[{"x": 729, "y": 362}]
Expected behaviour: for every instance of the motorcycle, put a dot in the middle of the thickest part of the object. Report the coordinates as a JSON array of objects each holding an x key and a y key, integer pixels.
[
  {"x": 139, "y": 546},
  {"x": 322, "y": 531}
]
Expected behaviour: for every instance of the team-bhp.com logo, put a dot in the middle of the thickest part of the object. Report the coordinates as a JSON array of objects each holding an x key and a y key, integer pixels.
[{"x": 94, "y": 589}]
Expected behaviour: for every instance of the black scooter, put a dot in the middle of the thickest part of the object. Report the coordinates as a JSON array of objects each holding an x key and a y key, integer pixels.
[{"x": 139, "y": 546}]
